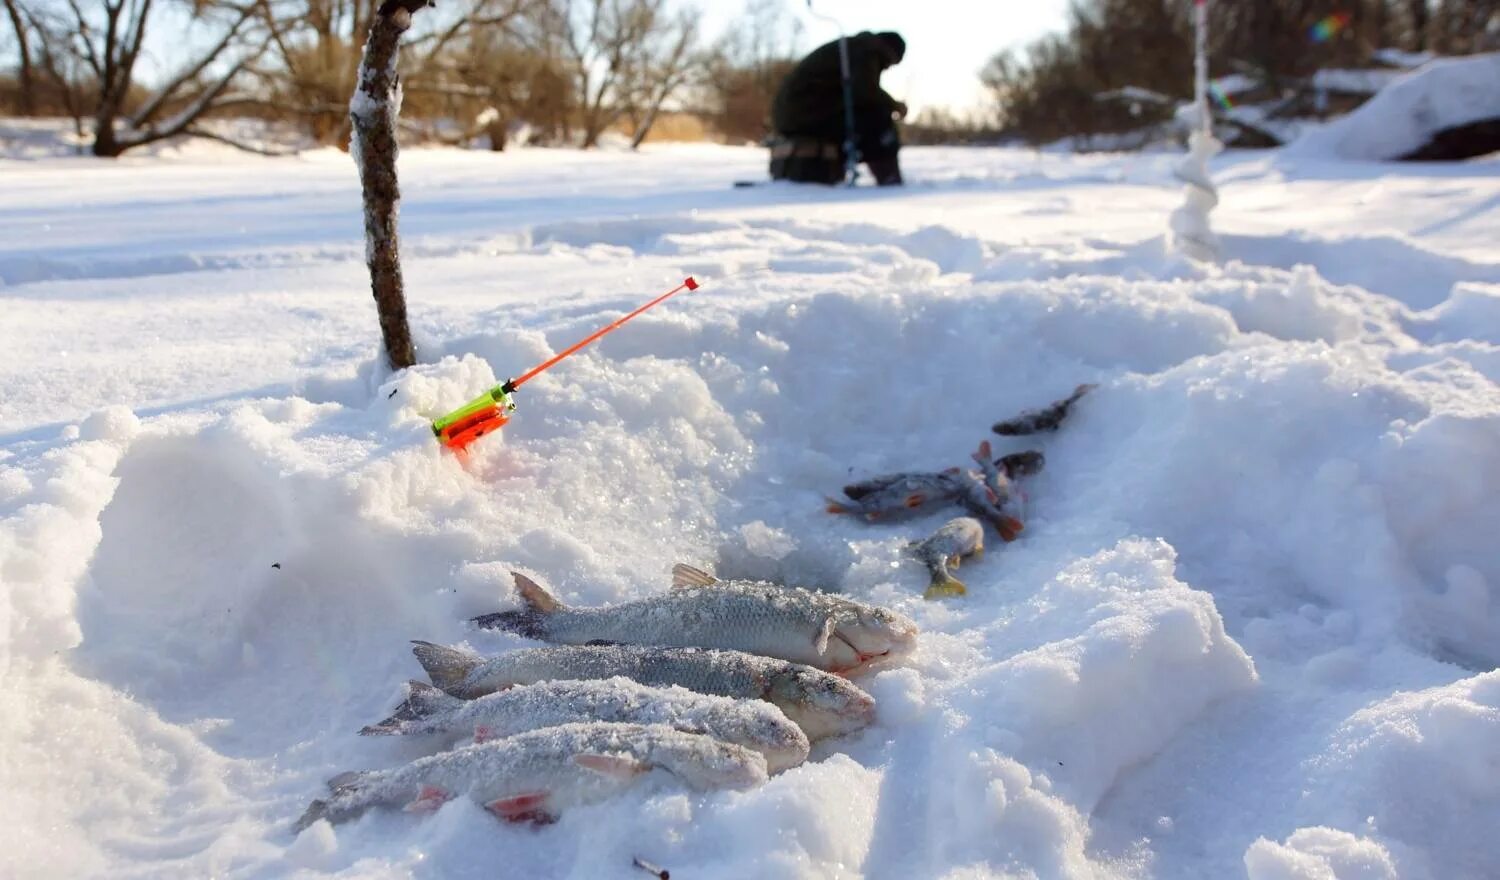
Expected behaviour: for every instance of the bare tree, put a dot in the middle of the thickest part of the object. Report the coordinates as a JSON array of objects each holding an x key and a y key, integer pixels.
[
  {"x": 667, "y": 60},
  {"x": 27, "y": 102},
  {"x": 373, "y": 110},
  {"x": 746, "y": 68},
  {"x": 108, "y": 41},
  {"x": 600, "y": 40}
]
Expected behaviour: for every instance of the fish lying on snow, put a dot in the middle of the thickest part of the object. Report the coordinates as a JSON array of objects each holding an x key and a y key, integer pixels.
[
  {"x": 750, "y": 723},
  {"x": 988, "y": 495},
  {"x": 1048, "y": 418},
  {"x": 891, "y": 495},
  {"x": 535, "y": 776},
  {"x": 823, "y": 630},
  {"x": 821, "y": 703},
  {"x": 956, "y": 539}
]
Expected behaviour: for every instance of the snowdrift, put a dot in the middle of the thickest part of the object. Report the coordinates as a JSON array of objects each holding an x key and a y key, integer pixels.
[{"x": 1411, "y": 111}]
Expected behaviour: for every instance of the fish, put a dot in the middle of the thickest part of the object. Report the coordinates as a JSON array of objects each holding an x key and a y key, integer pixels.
[
  {"x": 959, "y": 537},
  {"x": 1002, "y": 501},
  {"x": 894, "y": 494},
  {"x": 1021, "y": 464},
  {"x": 532, "y": 777},
  {"x": 751, "y": 723},
  {"x": 829, "y": 632},
  {"x": 821, "y": 703},
  {"x": 1048, "y": 418}
]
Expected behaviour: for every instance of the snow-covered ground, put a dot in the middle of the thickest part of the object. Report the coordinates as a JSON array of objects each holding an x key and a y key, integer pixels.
[{"x": 1251, "y": 626}]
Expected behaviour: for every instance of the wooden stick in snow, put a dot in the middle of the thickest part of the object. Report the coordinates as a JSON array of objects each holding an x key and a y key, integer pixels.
[{"x": 373, "y": 111}]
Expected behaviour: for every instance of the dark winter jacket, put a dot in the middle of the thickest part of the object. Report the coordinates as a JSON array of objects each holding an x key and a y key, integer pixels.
[{"x": 811, "y": 100}]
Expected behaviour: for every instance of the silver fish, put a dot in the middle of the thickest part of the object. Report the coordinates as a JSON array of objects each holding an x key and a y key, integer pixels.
[
  {"x": 821, "y": 703},
  {"x": 750, "y": 723},
  {"x": 534, "y": 776},
  {"x": 957, "y": 538},
  {"x": 1048, "y": 418},
  {"x": 820, "y": 629}
]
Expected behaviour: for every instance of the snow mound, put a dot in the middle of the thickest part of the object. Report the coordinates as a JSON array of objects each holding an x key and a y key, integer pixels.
[
  {"x": 1419, "y": 772},
  {"x": 1405, "y": 114},
  {"x": 1319, "y": 854}
]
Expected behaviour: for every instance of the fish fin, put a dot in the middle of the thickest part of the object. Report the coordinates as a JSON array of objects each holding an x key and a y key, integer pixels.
[
  {"x": 983, "y": 454},
  {"x": 315, "y": 811},
  {"x": 422, "y": 701},
  {"x": 978, "y": 553},
  {"x": 991, "y": 495},
  {"x": 613, "y": 766},
  {"x": 837, "y": 507},
  {"x": 914, "y": 500},
  {"x": 528, "y": 807},
  {"x": 428, "y": 799},
  {"x": 955, "y": 560},
  {"x": 530, "y": 621},
  {"x": 820, "y": 643},
  {"x": 1009, "y": 527},
  {"x": 534, "y": 596},
  {"x": 684, "y": 575},
  {"x": 446, "y": 667},
  {"x": 945, "y": 586}
]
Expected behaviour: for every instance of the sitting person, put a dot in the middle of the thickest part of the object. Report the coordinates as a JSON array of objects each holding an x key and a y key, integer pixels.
[{"x": 809, "y": 115}]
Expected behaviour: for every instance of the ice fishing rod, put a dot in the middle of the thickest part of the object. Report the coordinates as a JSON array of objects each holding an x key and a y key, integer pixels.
[
  {"x": 492, "y": 409},
  {"x": 851, "y": 145}
]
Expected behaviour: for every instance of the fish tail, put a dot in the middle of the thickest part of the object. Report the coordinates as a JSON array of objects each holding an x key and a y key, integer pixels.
[
  {"x": 944, "y": 584},
  {"x": 446, "y": 667},
  {"x": 422, "y": 701},
  {"x": 530, "y": 621},
  {"x": 838, "y": 507},
  {"x": 316, "y": 810}
]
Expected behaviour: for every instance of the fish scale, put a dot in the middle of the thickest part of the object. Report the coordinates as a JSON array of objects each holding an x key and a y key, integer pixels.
[
  {"x": 829, "y": 632},
  {"x": 541, "y": 768},
  {"x": 820, "y": 703},
  {"x": 752, "y": 723}
]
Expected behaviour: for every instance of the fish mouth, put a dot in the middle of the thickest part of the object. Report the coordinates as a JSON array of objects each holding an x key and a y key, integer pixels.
[{"x": 862, "y": 658}]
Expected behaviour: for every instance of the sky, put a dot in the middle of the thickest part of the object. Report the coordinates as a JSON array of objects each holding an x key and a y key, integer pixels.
[{"x": 947, "y": 41}]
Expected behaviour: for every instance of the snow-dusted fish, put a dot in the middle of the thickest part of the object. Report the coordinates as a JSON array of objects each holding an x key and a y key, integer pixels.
[
  {"x": 1021, "y": 464},
  {"x": 1048, "y": 418},
  {"x": 957, "y": 539},
  {"x": 535, "y": 776},
  {"x": 821, "y": 703},
  {"x": 804, "y": 626},
  {"x": 751, "y": 723}
]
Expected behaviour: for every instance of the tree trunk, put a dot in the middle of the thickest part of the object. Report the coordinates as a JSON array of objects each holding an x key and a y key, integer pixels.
[
  {"x": 27, "y": 104},
  {"x": 373, "y": 111}
]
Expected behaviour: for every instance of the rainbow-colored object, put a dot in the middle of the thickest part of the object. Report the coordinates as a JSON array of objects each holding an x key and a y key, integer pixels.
[
  {"x": 1329, "y": 26},
  {"x": 1220, "y": 97},
  {"x": 492, "y": 409}
]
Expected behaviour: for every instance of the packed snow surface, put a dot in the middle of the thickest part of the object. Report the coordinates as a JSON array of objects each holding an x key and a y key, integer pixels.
[{"x": 1250, "y": 629}]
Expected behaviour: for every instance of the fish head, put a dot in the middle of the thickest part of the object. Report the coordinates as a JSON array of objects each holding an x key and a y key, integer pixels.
[
  {"x": 875, "y": 634},
  {"x": 707, "y": 764},
  {"x": 820, "y": 703}
]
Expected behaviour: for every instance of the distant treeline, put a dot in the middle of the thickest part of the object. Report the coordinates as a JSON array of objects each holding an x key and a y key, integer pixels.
[
  {"x": 549, "y": 71},
  {"x": 1052, "y": 88}
]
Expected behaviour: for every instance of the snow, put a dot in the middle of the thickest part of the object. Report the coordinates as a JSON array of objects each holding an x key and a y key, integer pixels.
[
  {"x": 1409, "y": 110},
  {"x": 1250, "y": 628}
]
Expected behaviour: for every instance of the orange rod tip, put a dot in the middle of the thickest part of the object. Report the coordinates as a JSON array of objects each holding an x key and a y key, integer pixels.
[{"x": 691, "y": 283}]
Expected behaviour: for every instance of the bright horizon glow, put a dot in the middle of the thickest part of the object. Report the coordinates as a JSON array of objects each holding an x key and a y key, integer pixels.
[{"x": 947, "y": 41}]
